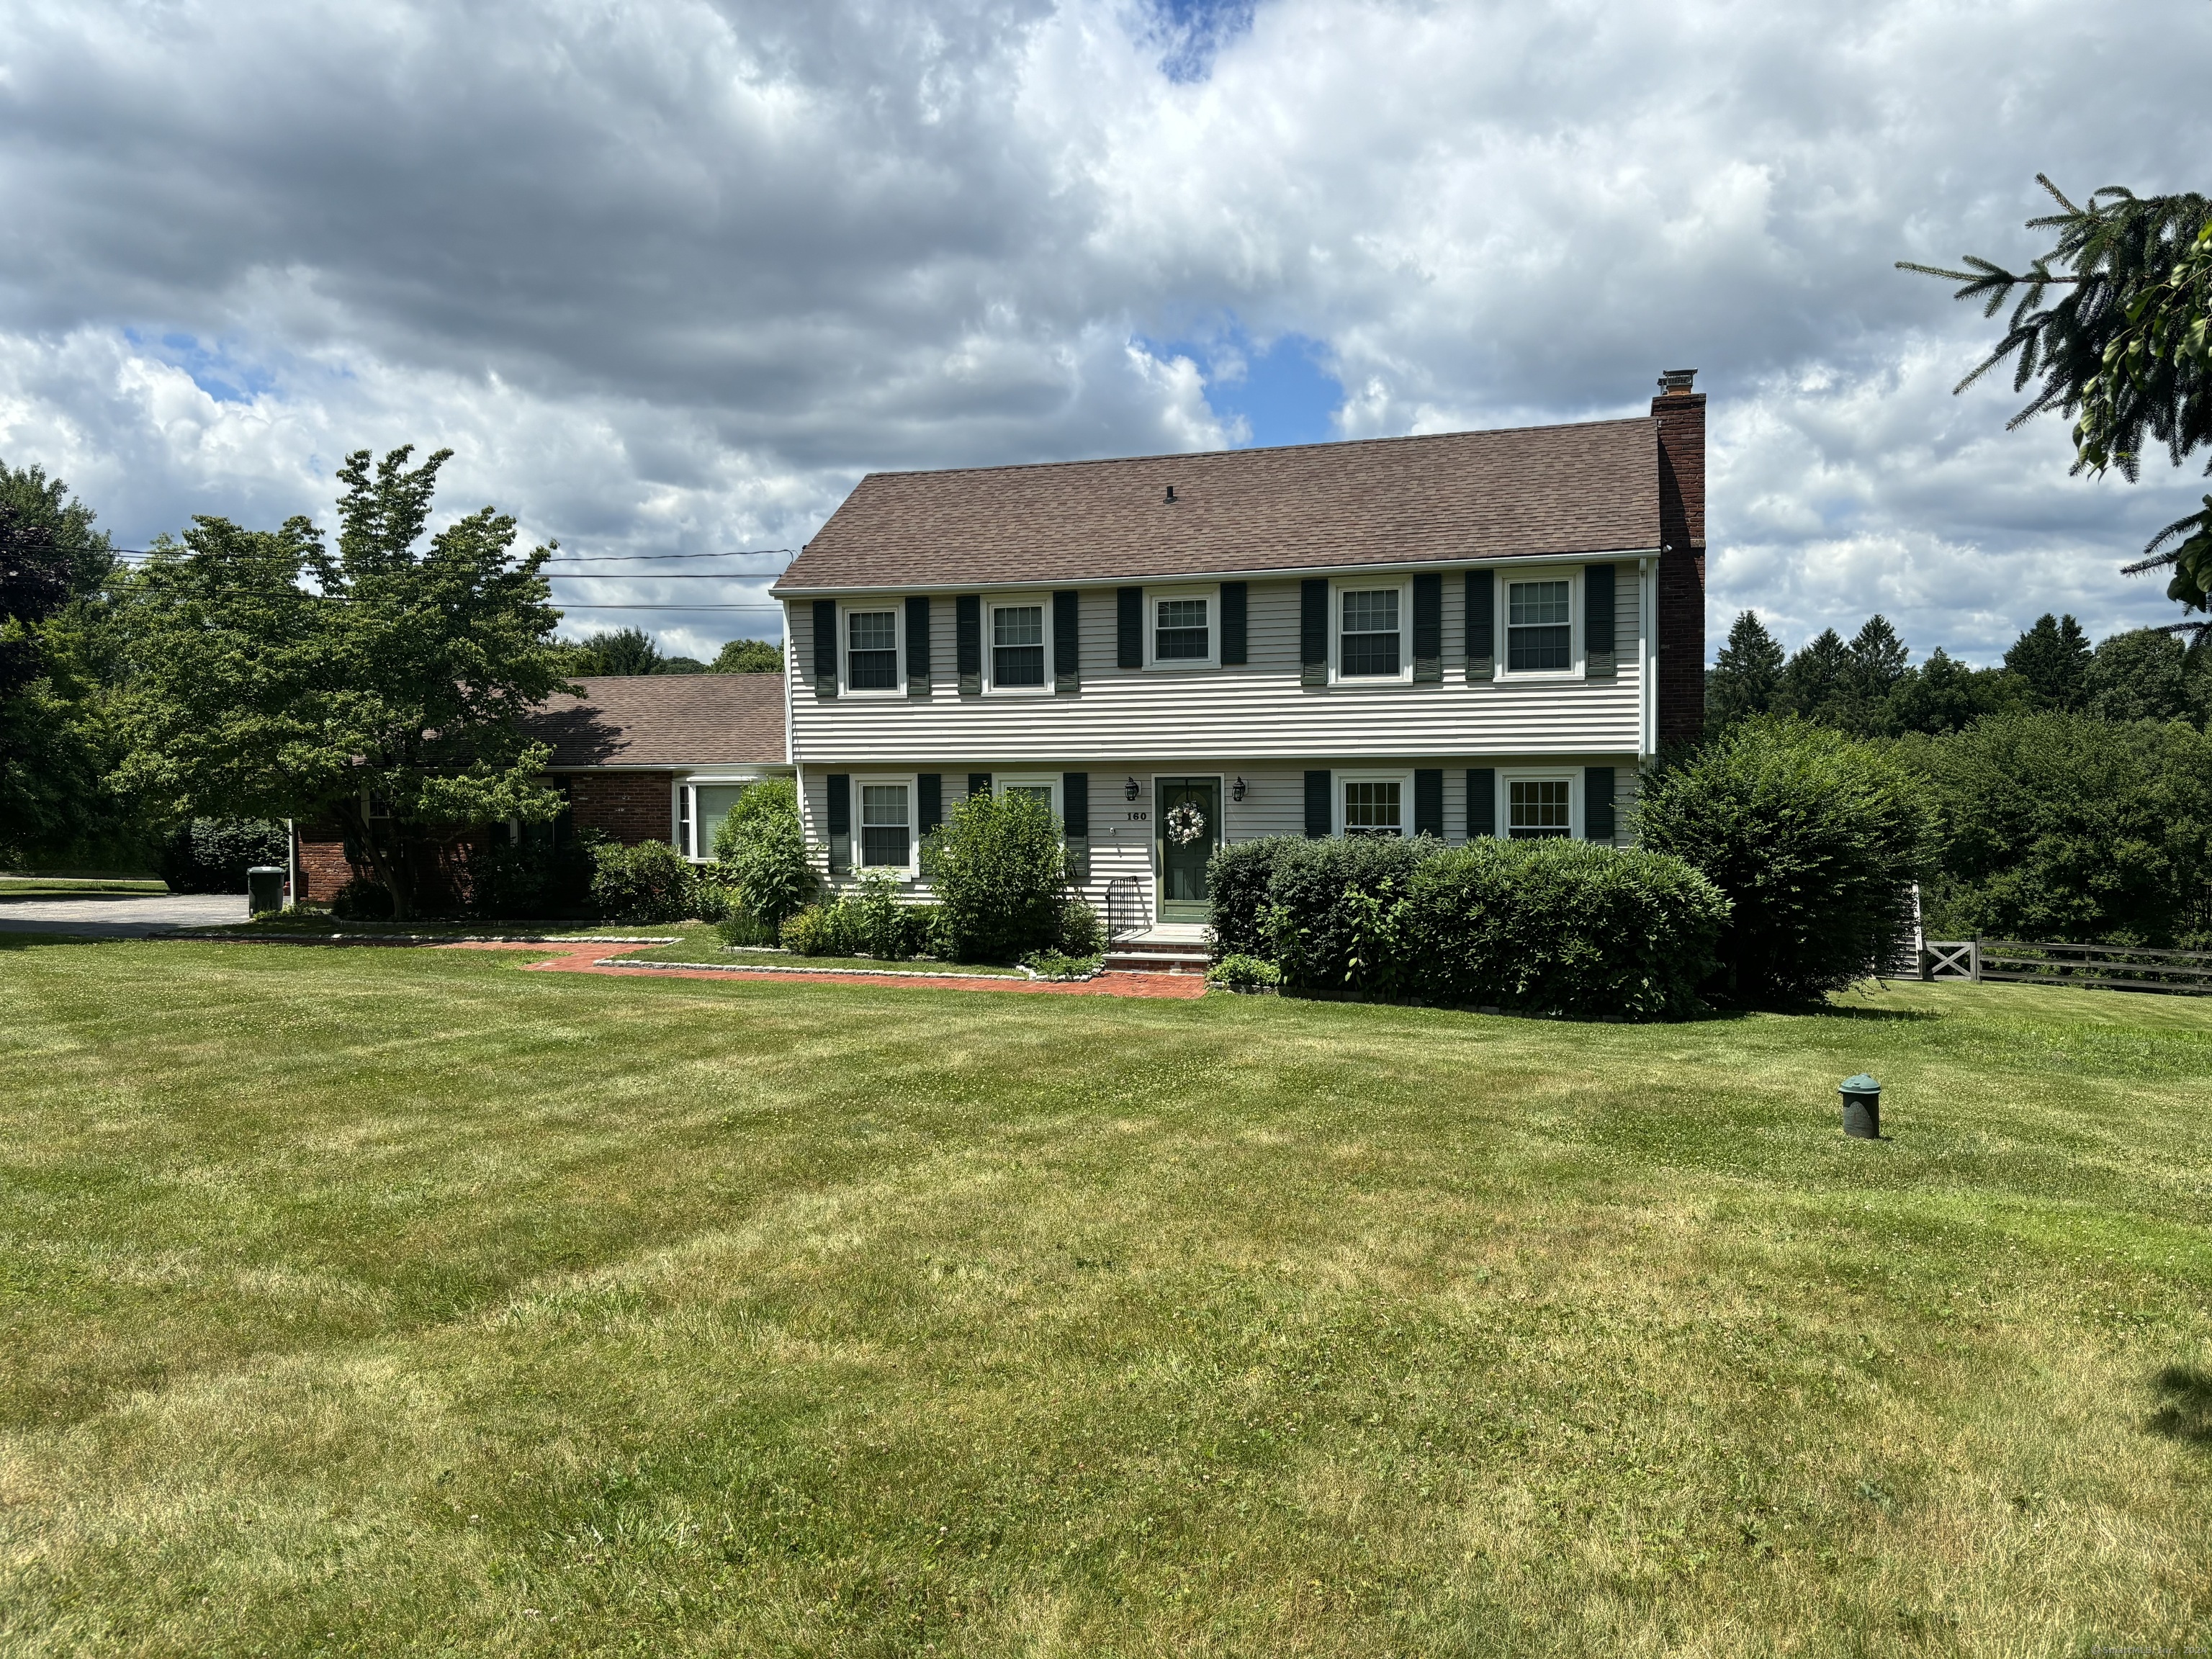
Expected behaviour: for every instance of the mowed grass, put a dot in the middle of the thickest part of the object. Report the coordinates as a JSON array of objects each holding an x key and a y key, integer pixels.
[{"x": 371, "y": 1301}]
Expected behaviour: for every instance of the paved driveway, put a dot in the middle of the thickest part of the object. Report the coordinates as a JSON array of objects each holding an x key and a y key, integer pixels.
[{"x": 120, "y": 918}]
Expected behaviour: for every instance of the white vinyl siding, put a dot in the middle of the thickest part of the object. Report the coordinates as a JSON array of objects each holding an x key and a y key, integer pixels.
[{"x": 1257, "y": 711}]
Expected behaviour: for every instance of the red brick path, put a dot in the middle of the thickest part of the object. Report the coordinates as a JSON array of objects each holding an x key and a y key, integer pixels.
[{"x": 583, "y": 959}]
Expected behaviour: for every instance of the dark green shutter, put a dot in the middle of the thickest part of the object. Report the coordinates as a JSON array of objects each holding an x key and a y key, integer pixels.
[
  {"x": 1128, "y": 627},
  {"x": 1428, "y": 627},
  {"x": 1429, "y": 802},
  {"x": 928, "y": 802},
  {"x": 1066, "y": 640},
  {"x": 1481, "y": 626},
  {"x": 840, "y": 822},
  {"x": 978, "y": 783},
  {"x": 1313, "y": 637},
  {"x": 825, "y": 647},
  {"x": 968, "y": 642},
  {"x": 917, "y": 646},
  {"x": 1481, "y": 801},
  {"x": 1598, "y": 656},
  {"x": 1075, "y": 819},
  {"x": 1597, "y": 803},
  {"x": 1232, "y": 624},
  {"x": 1319, "y": 818}
]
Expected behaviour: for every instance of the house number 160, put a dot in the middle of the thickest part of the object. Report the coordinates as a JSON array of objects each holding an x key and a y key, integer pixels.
[{"x": 1138, "y": 817}]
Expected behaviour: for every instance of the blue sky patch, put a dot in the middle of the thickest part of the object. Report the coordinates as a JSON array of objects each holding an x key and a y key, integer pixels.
[
  {"x": 1192, "y": 31},
  {"x": 1280, "y": 392},
  {"x": 213, "y": 369}
]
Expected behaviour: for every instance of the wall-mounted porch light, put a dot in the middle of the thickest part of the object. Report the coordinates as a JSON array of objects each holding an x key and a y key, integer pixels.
[
  {"x": 1237, "y": 793},
  {"x": 1129, "y": 790}
]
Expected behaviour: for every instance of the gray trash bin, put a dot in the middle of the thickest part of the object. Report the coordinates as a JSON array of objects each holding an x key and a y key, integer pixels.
[{"x": 264, "y": 889}]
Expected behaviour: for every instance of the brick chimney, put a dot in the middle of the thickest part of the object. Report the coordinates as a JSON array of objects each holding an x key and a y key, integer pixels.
[{"x": 1681, "y": 416}]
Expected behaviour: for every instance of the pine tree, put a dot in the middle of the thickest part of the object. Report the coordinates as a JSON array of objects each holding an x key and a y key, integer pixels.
[
  {"x": 1879, "y": 660},
  {"x": 2052, "y": 659},
  {"x": 1816, "y": 682},
  {"x": 1741, "y": 684}
]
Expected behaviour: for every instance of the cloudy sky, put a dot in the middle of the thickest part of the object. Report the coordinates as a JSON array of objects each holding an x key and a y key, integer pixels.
[{"x": 670, "y": 274}]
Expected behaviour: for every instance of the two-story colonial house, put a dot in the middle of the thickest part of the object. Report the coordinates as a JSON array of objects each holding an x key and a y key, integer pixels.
[{"x": 1466, "y": 633}]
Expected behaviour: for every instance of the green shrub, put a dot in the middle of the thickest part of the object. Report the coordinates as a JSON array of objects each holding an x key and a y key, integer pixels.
[
  {"x": 1063, "y": 965},
  {"x": 2068, "y": 827},
  {"x": 1237, "y": 877},
  {"x": 1546, "y": 926},
  {"x": 763, "y": 849},
  {"x": 1081, "y": 932},
  {"x": 362, "y": 899},
  {"x": 1328, "y": 911},
  {"x": 1813, "y": 837},
  {"x": 832, "y": 929},
  {"x": 1248, "y": 974},
  {"x": 879, "y": 918},
  {"x": 212, "y": 855},
  {"x": 996, "y": 867},
  {"x": 535, "y": 876},
  {"x": 646, "y": 883},
  {"x": 740, "y": 928}
]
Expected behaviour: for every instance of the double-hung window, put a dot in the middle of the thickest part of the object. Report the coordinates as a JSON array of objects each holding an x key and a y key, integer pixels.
[
  {"x": 1540, "y": 626},
  {"x": 1017, "y": 645},
  {"x": 1181, "y": 631},
  {"x": 872, "y": 657},
  {"x": 1538, "y": 809},
  {"x": 1374, "y": 806},
  {"x": 1370, "y": 638},
  {"x": 1042, "y": 789},
  {"x": 886, "y": 824}
]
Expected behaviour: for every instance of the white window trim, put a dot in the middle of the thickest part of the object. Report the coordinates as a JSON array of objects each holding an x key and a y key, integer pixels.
[
  {"x": 1002, "y": 781},
  {"x": 993, "y": 602},
  {"x": 1153, "y": 596},
  {"x": 1571, "y": 775},
  {"x": 1572, "y": 576},
  {"x": 897, "y": 687},
  {"x": 1337, "y": 590},
  {"x": 912, "y": 867},
  {"x": 1369, "y": 775},
  {"x": 685, "y": 805}
]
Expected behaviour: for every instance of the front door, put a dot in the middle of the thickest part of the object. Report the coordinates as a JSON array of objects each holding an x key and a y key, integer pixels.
[{"x": 1188, "y": 814}]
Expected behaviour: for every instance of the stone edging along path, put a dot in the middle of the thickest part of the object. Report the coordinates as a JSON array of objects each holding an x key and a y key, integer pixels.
[{"x": 580, "y": 960}]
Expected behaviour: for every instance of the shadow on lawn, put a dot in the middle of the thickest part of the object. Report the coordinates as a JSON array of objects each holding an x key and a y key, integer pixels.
[{"x": 2187, "y": 1412}]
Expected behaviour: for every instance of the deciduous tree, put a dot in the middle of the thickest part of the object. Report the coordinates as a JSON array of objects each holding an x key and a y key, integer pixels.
[{"x": 381, "y": 686}]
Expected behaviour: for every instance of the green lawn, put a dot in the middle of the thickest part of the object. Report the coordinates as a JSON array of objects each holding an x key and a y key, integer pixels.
[
  {"x": 78, "y": 887},
  {"x": 371, "y": 1301}
]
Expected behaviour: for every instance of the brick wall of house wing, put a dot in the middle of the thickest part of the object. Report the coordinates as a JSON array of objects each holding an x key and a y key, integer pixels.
[{"x": 1277, "y": 721}]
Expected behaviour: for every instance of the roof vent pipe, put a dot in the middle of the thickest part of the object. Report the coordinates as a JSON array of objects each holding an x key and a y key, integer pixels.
[{"x": 1171, "y": 493}]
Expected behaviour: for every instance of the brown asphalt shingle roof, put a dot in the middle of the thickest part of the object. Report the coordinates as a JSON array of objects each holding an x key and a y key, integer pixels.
[
  {"x": 1589, "y": 488},
  {"x": 664, "y": 720}
]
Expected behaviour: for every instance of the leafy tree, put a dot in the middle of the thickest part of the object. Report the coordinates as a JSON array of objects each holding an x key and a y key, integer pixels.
[
  {"x": 2068, "y": 827},
  {"x": 1818, "y": 682},
  {"x": 998, "y": 869},
  {"x": 2123, "y": 351},
  {"x": 1944, "y": 694},
  {"x": 2137, "y": 676},
  {"x": 622, "y": 651},
  {"x": 750, "y": 657},
  {"x": 2051, "y": 659},
  {"x": 1813, "y": 837},
  {"x": 681, "y": 665},
  {"x": 1745, "y": 678},
  {"x": 53, "y": 564},
  {"x": 387, "y": 698}
]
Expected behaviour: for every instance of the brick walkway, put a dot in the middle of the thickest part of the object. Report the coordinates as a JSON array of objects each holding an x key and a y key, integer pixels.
[{"x": 584, "y": 959}]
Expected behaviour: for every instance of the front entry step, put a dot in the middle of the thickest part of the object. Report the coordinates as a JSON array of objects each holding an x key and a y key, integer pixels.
[
  {"x": 1119, "y": 961},
  {"x": 1167, "y": 948}
]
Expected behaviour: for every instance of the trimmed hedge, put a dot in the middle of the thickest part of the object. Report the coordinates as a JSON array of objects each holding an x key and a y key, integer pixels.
[{"x": 1550, "y": 927}]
